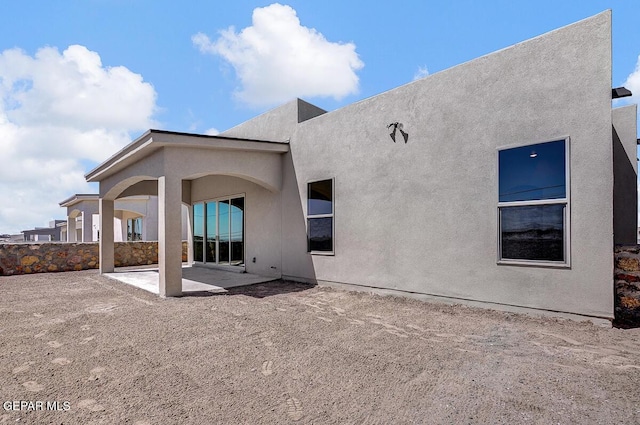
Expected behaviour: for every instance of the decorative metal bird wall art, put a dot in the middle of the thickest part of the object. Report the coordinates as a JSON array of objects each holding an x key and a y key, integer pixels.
[{"x": 397, "y": 126}]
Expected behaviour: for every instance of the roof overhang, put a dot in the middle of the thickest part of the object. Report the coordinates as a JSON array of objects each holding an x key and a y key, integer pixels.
[
  {"x": 79, "y": 197},
  {"x": 153, "y": 140},
  {"x": 41, "y": 231}
]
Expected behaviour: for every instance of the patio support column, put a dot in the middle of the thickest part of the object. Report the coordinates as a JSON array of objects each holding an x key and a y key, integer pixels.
[
  {"x": 170, "y": 235},
  {"x": 71, "y": 229},
  {"x": 106, "y": 236},
  {"x": 82, "y": 228},
  {"x": 87, "y": 226}
]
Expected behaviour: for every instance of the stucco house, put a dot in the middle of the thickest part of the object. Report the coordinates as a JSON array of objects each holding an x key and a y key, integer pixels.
[
  {"x": 135, "y": 219},
  {"x": 53, "y": 233},
  {"x": 505, "y": 181}
]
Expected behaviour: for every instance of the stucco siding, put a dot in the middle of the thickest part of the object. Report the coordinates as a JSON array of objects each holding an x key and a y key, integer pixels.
[
  {"x": 276, "y": 124},
  {"x": 422, "y": 216},
  {"x": 296, "y": 262},
  {"x": 259, "y": 167},
  {"x": 625, "y": 195}
]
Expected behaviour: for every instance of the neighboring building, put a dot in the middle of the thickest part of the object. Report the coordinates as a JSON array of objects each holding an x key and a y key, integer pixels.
[
  {"x": 135, "y": 218},
  {"x": 42, "y": 234},
  {"x": 6, "y": 238},
  {"x": 506, "y": 180}
]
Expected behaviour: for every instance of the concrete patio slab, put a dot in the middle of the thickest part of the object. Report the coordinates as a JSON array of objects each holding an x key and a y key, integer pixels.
[{"x": 194, "y": 279}]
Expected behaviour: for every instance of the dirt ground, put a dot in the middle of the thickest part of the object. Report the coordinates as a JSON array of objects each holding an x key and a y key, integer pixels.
[{"x": 282, "y": 353}]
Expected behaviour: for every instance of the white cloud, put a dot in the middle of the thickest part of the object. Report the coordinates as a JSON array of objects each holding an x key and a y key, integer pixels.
[
  {"x": 277, "y": 59},
  {"x": 421, "y": 73},
  {"x": 212, "y": 132},
  {"x": 633, "y": 81},
  {"x": 58, "y": 110}
]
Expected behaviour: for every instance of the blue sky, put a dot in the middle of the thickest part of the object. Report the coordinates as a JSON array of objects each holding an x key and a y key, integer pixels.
[{"x": 82, "y": 78}]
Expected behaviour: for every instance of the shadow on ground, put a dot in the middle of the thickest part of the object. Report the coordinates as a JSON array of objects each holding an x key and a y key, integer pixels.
[
  {"x": 627, "y": 308},
  {"x": 626, "y": 322},
  {"x": 258, "y": 290}
]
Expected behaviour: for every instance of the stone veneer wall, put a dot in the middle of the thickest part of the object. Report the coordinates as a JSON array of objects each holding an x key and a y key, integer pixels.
[
  {"x": 627, "y": 286},
  {"x": 61, "y": 257}
]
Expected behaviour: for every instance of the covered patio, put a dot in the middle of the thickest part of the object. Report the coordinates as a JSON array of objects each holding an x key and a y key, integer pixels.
[
  {"x": 176, "y": 167},
  {"x": 194, "y": 279}
]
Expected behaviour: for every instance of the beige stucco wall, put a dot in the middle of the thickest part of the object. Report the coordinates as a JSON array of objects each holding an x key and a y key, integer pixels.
[
  {"x": 422, "y": 216},
  {"x": 190, "y": 163},
  {"x": 83, "y": 213}
]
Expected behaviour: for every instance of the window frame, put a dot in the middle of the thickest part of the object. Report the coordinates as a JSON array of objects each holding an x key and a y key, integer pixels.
[
  {"x": 313, "y": 216},
  {"x": 566, "y": 201},
  {"x": 216, "y": 262}
]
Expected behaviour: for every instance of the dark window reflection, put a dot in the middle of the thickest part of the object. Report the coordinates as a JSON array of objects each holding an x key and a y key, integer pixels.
[
  {"x": 533, "y": 232},
  {"x": 320, "y": 234},
  {"x": 320, "y": 198},
  {"x": 237, "y": 231},
  {"x": 533, "y": 172},
  {"x": 211, "y": 233},
  {"x": 198, "y": 231},
  {"x": 223, "y": 228}
]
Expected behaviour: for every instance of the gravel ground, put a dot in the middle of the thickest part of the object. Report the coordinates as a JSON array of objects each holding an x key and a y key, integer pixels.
[{"x": 101, "y": 352}]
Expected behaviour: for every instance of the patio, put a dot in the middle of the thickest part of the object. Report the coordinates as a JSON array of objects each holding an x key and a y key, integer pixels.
[{"x": 194, "y": 279}]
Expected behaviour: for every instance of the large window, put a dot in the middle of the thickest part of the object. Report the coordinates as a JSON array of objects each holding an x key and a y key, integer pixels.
[
  {"x": 320, "y": 217},
  {"x": 218, "y": 231},
  {"x": 533, "y": 204}
]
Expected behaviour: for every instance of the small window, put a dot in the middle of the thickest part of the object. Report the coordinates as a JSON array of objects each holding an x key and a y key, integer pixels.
[
  {"x": 533, "y": 204},
  {"x": 320, "y": 217}
]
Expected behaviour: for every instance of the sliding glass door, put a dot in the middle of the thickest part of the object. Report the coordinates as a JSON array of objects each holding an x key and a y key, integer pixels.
[{"x": 223, "y": 222}]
